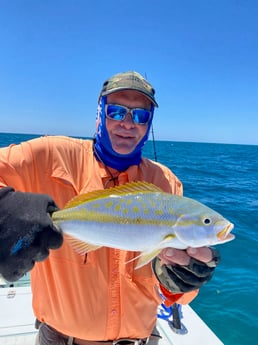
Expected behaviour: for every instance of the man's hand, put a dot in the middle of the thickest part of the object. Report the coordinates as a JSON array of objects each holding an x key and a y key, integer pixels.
[
  {"x": 172, "y": 256},
  {"x": 182, "y": 271},
  {"x": 26, "y": 231}
]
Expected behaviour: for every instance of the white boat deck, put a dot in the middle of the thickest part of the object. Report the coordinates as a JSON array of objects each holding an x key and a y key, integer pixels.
[{"x": 17, "y": 322}]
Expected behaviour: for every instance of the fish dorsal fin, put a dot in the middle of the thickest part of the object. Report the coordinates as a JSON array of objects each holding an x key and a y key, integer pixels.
[{"x": 131, "y": 187}]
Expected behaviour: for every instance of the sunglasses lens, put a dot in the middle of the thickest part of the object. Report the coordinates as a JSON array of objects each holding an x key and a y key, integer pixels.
[
  {"x": 115, "y": 112},
  {"x": 141, "y": 116}
]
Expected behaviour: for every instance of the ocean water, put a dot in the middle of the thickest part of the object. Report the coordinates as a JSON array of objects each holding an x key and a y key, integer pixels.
[{"x": 225, "y": 178}]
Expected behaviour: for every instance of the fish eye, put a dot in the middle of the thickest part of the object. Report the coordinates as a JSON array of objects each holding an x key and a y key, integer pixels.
[{"x": 206, "y": 221}]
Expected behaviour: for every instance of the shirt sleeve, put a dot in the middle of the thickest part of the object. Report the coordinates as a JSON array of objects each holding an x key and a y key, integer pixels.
[
  {"x": 181, "y": 298},
  {"x": 20, "y": 165}
]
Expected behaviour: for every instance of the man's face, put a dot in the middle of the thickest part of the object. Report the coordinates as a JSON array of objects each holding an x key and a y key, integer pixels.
[{"x": 125, "y": 135}]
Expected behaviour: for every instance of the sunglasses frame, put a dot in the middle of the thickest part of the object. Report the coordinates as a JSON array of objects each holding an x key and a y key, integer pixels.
[{"x": 129, "y": 111}]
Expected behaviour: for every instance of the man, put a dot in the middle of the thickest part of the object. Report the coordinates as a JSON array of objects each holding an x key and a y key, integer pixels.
[{"x": 97, "y": 297}]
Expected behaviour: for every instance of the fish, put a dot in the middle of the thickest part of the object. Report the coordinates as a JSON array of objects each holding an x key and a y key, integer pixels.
[{"x": 140, "y": 217}]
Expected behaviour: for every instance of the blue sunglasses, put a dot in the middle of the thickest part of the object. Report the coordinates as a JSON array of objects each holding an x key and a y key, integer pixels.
[{"x": 118, "y": 112}]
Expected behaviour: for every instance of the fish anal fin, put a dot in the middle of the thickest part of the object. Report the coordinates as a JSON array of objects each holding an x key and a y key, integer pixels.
[
  {"x": 145, "y": 258},
  {"x": 79, "y": 246}
]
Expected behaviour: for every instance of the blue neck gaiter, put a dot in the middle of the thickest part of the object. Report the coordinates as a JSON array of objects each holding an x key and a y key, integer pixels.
[{"x": 103, "y": 148}]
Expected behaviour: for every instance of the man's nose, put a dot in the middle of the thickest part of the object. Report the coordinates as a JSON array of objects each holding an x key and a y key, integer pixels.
[{"x": 128, "y": 120}]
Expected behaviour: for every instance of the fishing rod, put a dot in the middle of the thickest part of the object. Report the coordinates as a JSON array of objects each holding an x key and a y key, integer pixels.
[
  {"x": 152, "y": 134},
  {"x": 154, "y": 144}
]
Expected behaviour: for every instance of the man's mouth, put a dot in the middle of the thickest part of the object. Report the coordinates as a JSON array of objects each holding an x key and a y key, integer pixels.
[{"x": 124, "y": 136}]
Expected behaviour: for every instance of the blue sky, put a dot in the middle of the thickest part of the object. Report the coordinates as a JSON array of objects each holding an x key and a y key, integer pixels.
[{"x": 200, "y": 55}]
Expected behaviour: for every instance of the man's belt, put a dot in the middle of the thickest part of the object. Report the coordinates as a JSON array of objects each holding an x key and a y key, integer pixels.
[
  {"x": 124, "y": 341},
  {"x": 77, "y": 341}
]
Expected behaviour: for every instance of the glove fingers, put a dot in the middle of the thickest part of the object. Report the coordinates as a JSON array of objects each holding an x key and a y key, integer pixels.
[
  {"x": 174, "y": 283},
  {"x": 19, "y": 264},
  {"x": 195, "y": 279},
  {"x": 38, "y": 250},
  {"x": 195, "y": 268},
  {"x": 51, "y": 207},
  {"x": 50, "y": 238},
  {"x": 16, "y": 267}
]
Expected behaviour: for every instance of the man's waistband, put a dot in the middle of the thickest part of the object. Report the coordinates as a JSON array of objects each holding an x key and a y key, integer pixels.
[
  {"x": 76, "y": 341},
  {"x": 125, "y": 341}
]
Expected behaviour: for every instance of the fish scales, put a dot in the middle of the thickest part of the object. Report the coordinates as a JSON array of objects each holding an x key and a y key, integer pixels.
[{"x": 140, "y": 208}]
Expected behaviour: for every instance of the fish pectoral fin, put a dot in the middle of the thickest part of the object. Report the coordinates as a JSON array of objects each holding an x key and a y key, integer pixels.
[{"x": 79, "y": 246}]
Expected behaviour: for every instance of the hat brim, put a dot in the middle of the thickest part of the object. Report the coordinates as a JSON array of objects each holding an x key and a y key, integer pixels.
[{"x": 121, "y": 88}]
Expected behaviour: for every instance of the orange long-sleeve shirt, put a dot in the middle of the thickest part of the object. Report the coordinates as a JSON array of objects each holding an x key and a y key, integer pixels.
[{"x": 98, "y": 296}]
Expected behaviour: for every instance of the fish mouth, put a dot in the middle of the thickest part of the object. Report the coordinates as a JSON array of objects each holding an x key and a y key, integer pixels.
[{"x": 225, "y": 233}]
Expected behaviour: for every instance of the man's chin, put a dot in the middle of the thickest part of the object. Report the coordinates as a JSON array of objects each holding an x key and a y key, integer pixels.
[
  {"x": 123, "y": 149},
  {"x": 124, "y": 152}
]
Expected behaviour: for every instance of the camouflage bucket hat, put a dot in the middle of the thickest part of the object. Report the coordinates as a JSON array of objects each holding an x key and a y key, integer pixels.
[{"x": 129, "y": 81}]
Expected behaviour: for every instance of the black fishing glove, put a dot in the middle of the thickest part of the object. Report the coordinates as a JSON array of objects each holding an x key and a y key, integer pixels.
[
  {"x": 26, "y": 231},
  {"x": 179, "y": 279}
]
